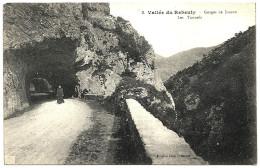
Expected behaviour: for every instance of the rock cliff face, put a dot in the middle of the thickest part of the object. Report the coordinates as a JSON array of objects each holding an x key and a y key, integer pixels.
[
  {"x": 216, "y": 102},
  {"x": 15, "y": 96},
  {"x": 74, "y": 44}
]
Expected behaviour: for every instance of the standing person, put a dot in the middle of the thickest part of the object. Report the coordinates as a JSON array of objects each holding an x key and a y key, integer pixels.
[{"x": 60, "y": 95}]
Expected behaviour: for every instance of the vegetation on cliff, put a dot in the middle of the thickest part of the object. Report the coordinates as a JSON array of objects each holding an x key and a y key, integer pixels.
[{"x": 216, "y": 102}]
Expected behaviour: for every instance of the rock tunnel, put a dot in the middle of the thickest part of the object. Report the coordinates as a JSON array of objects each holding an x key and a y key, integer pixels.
[
  {"x": 69, "y": 45},
  {"x": 50, "y": 62},
  {"x": 53, "y": 60}
]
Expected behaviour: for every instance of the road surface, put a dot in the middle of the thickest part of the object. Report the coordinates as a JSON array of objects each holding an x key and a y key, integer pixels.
[
  {"x": 83, "y": 132},
  {"x": 45, "y": 134}
]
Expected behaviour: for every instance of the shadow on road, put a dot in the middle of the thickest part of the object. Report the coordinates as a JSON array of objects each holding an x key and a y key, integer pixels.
[
  {"x": 34, "y": 103},
  {"x": 107, "y": 142}
]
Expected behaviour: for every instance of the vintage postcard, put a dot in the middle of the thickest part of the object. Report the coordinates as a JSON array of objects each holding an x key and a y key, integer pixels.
[{"x": 129, "y": 83}]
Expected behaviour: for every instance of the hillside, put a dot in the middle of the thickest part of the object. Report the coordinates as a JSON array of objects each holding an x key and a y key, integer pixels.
[
  {"x": 167, "y": 66},
  {"x": 216, "y": 102},
  {"x": 158, "y": 57}
]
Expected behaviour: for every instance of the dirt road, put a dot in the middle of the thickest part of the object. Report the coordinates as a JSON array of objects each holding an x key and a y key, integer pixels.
[
  {"x": 44, "y": 134},
  {"x": 83, "y": 132}
]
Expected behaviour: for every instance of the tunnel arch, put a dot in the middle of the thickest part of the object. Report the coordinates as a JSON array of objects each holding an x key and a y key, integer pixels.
[{"x": 52, "y": 60}]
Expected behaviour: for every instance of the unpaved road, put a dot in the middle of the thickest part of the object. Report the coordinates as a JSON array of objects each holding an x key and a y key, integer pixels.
[
  {"x": 45, "y": 134},
  {"x": 83, "y": 132}
]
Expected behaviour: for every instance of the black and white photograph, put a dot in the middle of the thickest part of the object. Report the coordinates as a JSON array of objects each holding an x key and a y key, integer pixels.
[{"x": 129, "y": 83}]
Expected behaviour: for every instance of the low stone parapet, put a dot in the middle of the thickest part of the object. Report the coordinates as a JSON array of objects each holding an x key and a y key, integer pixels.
[{"x": 162, "y": 145}]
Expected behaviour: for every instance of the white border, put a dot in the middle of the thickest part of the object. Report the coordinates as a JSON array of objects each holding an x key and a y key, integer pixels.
[{"x": 162, "y": 1}]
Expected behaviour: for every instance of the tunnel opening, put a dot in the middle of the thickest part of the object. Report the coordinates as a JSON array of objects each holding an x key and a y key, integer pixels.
[
  {"x": 50, "y": 63},
  {"x": 40, "y": 89}
]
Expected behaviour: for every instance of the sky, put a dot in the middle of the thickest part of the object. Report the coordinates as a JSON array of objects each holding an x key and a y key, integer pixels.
[{"x": 169, "y": 35}]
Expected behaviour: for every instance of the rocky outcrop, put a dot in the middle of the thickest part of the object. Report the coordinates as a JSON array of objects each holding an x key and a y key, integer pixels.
[
  {"x": 216, "y": 102},
  {"x": 31, "y": 23},
  {"x": 157, "y": 101},
  {"x": 77, "y": 45},
  {"x": 109, "y": 46}
]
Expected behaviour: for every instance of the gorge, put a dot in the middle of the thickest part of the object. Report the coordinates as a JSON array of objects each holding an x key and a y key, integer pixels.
[{"x": 207, "y": 101}]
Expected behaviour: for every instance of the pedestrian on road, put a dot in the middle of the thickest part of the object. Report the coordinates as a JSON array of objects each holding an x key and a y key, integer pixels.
[{"x": 60, "y": 95}]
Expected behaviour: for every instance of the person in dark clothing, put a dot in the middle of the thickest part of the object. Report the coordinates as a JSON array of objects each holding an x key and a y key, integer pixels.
[{"x": 60, "y": 95}]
